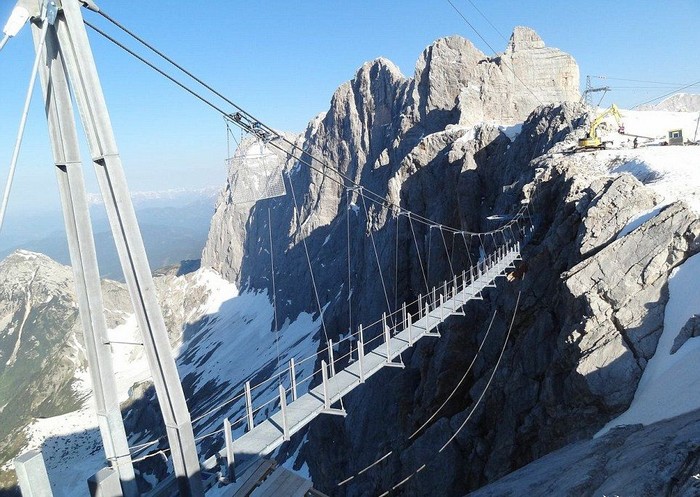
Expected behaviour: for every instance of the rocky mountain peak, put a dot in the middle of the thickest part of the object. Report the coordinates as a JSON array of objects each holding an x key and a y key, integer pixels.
[
  {"x": 22, "y": 268},
  {"x": 379, "y": 117},
  {"x": 524, "y": 38}
]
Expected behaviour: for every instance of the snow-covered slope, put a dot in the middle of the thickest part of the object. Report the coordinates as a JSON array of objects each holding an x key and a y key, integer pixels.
[{"x": 221, "y": 339}]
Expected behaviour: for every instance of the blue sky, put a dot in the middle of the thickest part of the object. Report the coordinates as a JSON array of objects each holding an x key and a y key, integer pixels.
[{"x": 282, "y": 61}]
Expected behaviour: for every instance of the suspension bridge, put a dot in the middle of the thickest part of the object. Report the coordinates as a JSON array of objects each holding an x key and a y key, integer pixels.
[
  {"x": 65, "y": 63},
  {"x": 370, "y": 357}
]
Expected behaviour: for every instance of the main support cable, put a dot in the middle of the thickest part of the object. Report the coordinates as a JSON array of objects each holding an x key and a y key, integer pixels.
[
  {"x": 250, "y": 124},
  {"x": 667, "y": 94},
  {"x": 471, "y": 412},
  {"x": 459, "y": 383},
  {"x": 23, "y": 119},
  {"x": 454, "y": 391},
  {"x": 493, "y": 373}
]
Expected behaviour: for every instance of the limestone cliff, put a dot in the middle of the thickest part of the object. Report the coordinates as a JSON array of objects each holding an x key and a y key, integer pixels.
[{"x": 436, "y": 144}]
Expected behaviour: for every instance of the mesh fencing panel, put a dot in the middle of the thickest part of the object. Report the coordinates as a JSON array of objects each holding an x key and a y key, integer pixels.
[{"x": 256, "y": 174}]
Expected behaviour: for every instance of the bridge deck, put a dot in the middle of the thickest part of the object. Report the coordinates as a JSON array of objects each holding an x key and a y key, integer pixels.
[{"x": 269, "y": 434}]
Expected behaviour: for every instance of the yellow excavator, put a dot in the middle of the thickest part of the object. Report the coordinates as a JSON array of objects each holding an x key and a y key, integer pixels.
[{"x": 592, "y": 141}]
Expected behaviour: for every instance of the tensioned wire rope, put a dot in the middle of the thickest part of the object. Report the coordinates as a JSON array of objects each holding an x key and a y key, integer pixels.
[
  {"x": 344, "y": 179},
  {"x": 364, "y": 192},
  {"x": 435, "y": 413},
  {"x": 25, "y": 113},
  {"x": 454, "y": 390},
  {"x": 138, "y": 448}
]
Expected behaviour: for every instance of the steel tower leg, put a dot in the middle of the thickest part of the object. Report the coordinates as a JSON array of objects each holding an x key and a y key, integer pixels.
[
  {"x": 66, "y": 153},
  {"x": 75, "y": 48}
]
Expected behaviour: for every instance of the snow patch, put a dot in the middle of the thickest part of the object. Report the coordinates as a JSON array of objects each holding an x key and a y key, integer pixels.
[
  {"x": 669, "y": 384},
  {"x": 638, "y": 220},
  {"x": 511, "y": 132}
]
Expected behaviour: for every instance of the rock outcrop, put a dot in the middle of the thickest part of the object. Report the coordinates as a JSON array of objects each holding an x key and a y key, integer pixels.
[
  {"x": 591, "y": 296},
  {"x": 667, "y": 456}
]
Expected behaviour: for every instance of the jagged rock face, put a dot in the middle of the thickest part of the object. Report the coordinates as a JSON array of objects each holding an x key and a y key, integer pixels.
[
  {"x": 666, "y": 454},
  {"x": 623, "y": 289},
  {"x": 380, "y": 117},
  {"x": 454, "y": 79},
  {"x": 581, "y": 336},
  {"x": 36, "y": 307}
]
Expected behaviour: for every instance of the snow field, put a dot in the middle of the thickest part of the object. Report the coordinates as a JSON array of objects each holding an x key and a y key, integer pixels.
[
  {"x": 232, "y": 340},
  {"x": 670, "y": 382}
]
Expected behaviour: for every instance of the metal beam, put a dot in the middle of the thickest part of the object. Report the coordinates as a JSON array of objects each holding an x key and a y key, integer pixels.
[
  {"x": 66, "y": 153},
  {"x": 32, "y": 476},
  {"x": 87, "y": 89}
]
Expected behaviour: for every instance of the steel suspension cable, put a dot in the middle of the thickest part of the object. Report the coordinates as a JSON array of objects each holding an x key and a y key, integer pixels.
[
  {"x": 454, "y": 390},
  {"x": 344, "y": 179},
  {"x": 308, "y": 258},
  {"x": 452, "y": 269},
  {"x": 667, "y": 94},
  {"x": 376, "y": 256},
  {"x": 420, "y": 259},
  {"x": 396, "y": 266},
  {"x": 430, "y": 246},
  {"x": 471, "y": 412},
  {"x": 274, "y": 295},
  {"x": 459, "y": 383},
  {"x": 23, "y": 119},
  {"x": 347, "y": 225},
  {"x": 493, "y": 373}
]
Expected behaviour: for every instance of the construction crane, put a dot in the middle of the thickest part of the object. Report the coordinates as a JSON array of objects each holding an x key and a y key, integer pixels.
[{"x": 592, "y": 141}]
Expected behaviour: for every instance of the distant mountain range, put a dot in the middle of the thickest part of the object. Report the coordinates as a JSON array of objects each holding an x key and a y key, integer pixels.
[
  {"x": 678, "y": 102},
  {"x": 174, "y": 225}
]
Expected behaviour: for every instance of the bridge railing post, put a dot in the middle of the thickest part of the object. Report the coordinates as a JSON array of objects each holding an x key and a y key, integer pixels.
[
  {"x": 324, "y": 377},
  {"x": 387, "y": 337},
  {"x": 104, "y": 483},
  {"x": 409, "y": 326},
  {"x": 361, "y": 354},
  {"x": 420, "y": 306},
  {"x": 293, "y": 378},
  {"x": 331, "y": 358},
  {"x": 249, "y": 406},
  {"x": 442, "y": 307},
  {"x": 230, "y": 461},
  {"x": 283, "y": 408}
]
